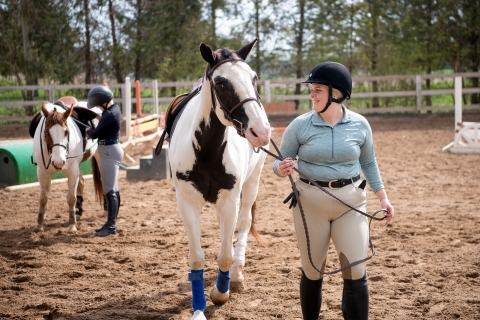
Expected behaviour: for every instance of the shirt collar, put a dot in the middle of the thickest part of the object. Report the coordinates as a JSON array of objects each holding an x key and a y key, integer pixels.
[{"x": 318, "y": 121}]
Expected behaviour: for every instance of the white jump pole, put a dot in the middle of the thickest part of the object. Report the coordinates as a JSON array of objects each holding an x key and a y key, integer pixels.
[
  {"x": 458, "y": 104},
  {"x": 128, "y": 105}
]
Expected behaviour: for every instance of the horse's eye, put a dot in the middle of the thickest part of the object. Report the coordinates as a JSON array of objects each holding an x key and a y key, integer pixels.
[
  {"x": 220, "y": 86},
  {"x": 46, "y": 133},
  {"x": 66, "y": 133}
]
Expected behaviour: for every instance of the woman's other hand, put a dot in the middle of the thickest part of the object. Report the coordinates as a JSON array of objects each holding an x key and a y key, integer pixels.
[{"x": 285, "y": 167}]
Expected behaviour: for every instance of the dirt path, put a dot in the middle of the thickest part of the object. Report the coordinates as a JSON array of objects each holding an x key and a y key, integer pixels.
[{"x": 427, "y": 263}]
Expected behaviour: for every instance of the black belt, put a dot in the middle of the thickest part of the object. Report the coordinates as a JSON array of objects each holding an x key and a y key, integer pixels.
[
  {"x": 107, "y": 142},
  {"x": 334, "y": 184}
]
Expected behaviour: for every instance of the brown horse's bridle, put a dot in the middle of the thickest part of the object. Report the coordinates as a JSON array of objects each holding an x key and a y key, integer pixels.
[
  {"x": 239, "y": 126},
  {"x": 51, "y": 145}
]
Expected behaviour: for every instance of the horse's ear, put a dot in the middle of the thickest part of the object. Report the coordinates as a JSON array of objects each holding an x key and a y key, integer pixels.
[
  {"x": 45, "y": 110},
  {"x": 245, "y": 51},
  {"x": 207, "y": 54},
  {"x": 68, "y": 113}
]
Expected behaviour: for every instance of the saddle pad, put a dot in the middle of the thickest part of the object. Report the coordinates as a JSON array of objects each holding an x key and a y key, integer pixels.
[{"x": 175, "y": 108}]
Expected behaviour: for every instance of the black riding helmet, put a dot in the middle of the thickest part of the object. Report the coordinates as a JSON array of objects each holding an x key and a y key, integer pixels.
[
  {"x": 99, "y": 95},
  {"x": 333, "y": 75}
]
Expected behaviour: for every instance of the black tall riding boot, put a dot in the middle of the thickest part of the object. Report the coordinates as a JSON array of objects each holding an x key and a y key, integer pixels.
[
  {"x": 355, "y": 299},
  {"x": 310, "y": 297},
  {"x": 110, "y": 226},
  {"x": 105, "y": 204}
]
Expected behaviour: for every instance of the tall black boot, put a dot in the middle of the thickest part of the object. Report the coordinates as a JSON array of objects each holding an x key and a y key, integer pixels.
[
  {"x": 110, "y": 226},
  {"x": 355, "y": 299},
  {"x": 310, "y": 297},
  {"x": 105, "y": 206}
]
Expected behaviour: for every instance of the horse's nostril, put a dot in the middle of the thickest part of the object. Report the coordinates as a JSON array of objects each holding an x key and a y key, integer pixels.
[{"x": 254, "y": 134}]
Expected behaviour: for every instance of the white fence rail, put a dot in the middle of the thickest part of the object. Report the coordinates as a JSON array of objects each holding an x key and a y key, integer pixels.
[{"x": 268, "y": 87}]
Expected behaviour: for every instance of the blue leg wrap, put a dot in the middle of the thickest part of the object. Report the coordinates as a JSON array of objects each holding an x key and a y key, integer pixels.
[
  {"x": 198, "y": 294},
  {"x": 223, "y": 281}
]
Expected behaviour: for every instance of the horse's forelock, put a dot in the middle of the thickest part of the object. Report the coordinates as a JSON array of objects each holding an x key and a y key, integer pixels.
[
  {"x": 55, "y": 117},
  {"x": 222, "y": 55}
]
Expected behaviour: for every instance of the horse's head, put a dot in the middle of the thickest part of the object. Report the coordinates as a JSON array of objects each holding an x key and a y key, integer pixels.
[
  {"x": 234, "y": 95},
  {"x": 56, "y": 135}
]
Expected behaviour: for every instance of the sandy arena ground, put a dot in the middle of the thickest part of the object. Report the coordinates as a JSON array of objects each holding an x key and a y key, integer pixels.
[{"x": 427, "y": 263}]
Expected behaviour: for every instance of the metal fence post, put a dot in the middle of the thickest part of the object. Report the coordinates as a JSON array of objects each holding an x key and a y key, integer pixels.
[
  {"x": 418, "y": 89},
  {"x": 51, "y": 94},
  {"x": 268, "y": 95}
]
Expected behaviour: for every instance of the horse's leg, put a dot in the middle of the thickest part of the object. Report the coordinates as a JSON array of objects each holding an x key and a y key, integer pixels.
[
  {"x": 45, "y": 181},
  {"x": 227, "y": 212},
  {"x": 249, "y": 194},
  {"x": 79, "y": 204},
  {"x": 73, "y": 177},
  {"x": 190, "y": 213}
]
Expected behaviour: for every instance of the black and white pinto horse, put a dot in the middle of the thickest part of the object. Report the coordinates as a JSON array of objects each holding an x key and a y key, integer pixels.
[{"x": 214, "y": 158}]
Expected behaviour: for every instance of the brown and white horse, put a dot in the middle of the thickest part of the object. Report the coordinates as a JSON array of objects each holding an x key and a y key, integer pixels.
[
  {"x": 213, "y": 159},
  {"x": 58, "y": 147}
]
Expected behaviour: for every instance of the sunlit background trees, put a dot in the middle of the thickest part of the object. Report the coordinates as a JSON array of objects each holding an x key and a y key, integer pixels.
[{"x": 89, "y": 41}]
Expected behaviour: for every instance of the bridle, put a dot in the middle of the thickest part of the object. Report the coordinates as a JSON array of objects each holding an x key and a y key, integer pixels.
[
  {"x": 47, "y": 137},
  {"x": 239, "y": 126}
]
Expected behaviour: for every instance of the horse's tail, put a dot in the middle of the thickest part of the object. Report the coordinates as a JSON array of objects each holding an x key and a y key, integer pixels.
[
  {"x": 97, "y": 180},
  {"x": 254, "y": 231}
]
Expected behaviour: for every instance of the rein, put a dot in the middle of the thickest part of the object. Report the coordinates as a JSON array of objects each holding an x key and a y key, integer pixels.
[
  {"x": 228, "y": 113},
  {"x": 297, "y": 196}
]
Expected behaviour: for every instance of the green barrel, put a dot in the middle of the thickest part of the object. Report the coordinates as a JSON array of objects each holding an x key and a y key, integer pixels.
[{"x": 16, "y": 167}]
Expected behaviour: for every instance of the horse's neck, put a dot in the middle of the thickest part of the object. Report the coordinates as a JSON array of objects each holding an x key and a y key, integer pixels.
[{"x": 203, "y": 105}]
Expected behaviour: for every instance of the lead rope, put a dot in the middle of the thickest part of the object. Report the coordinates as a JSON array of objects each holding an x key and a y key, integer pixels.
[{"x": 297, "y": 196}]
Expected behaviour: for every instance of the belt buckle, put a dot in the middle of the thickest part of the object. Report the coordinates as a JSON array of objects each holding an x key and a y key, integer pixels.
[
  {"x": 330, "y": 184},
  {"x": 102, "y": 143}
]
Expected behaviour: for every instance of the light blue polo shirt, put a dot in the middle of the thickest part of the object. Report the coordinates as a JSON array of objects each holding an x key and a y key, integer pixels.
[{"x": 330, "y": 153}]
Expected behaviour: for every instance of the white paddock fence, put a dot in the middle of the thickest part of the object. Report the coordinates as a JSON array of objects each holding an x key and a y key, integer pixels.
[{"x": 268, "y": 87}]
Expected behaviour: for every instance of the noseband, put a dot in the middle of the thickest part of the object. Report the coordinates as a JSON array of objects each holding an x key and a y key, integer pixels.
[
  {"x": 50, "y": 146},
  {"x": 229, "y": 113}
]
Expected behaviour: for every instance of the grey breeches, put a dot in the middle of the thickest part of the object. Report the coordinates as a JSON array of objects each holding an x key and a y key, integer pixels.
[
  {"x": 110, "y": 158},
  {"x": 327, "y": 218}
]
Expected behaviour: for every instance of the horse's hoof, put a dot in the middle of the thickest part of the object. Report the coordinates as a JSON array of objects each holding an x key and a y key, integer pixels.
[
  {"x": 198, "y": 315},
  {"x": 77, "y": 217},
  {"x": 72, "y": 229},
  {"x": 237, "y": 287},
  {"x": 38, "y": 229},
  {"x": 217, "y": 297}
]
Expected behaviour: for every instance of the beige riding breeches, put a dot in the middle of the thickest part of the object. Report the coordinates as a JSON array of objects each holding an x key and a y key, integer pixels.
[{"x": 327, "y": 218}]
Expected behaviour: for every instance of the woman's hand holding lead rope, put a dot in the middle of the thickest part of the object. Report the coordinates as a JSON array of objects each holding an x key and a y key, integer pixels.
[{"x": 285, "y": 167}]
